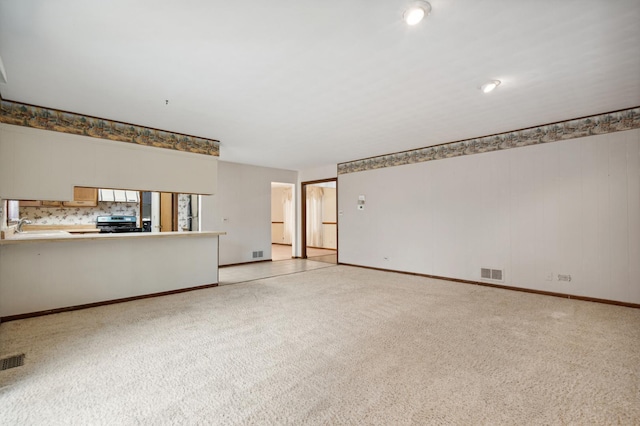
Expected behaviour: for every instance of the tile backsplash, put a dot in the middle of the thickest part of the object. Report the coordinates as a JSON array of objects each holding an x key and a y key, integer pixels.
[
  {"x": 77, "y": 215},
  {"x": 184, "y": 211},
  {"x": 87, "y": 215}
]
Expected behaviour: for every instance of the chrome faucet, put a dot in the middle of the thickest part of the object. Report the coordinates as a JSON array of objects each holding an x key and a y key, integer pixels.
[{"x": 21, "y": 223}]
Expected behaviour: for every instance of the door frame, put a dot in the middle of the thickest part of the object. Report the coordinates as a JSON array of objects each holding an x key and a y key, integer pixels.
[{"x": 303, "y": 214}]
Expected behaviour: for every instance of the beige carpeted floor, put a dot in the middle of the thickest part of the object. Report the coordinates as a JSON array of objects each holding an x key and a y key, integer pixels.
[{"x": 339, "y": 345}]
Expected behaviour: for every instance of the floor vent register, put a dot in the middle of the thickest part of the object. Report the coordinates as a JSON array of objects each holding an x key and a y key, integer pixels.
[{"x": 11, "y": 362}]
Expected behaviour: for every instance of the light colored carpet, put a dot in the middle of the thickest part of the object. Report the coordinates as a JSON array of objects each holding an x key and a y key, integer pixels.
[{"x": 339, "y": 345}]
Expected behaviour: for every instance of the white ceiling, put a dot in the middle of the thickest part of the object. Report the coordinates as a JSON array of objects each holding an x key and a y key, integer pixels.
[{"x": 300, "y": 84}]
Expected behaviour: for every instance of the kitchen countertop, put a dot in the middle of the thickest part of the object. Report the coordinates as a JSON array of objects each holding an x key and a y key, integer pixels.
[{"x": 99, "y": 237}]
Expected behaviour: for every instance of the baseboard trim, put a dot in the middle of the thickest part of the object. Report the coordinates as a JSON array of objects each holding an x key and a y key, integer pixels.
[
  {"x": 104, "y": 303},
  {"x": 322, "y": 248},
  {"x": 505, "y": 287},
  {"x": 282, "y": 244},
  {"x": 245, "y": 263}
]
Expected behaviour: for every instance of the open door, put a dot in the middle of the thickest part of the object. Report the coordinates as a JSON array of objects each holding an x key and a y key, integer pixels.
[{"x": 168, "y": 212}]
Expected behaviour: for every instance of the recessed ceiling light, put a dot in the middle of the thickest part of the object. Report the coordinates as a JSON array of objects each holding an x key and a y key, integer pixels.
[
  {"x": 488, "y": 87},
  {"x": 416, "y": 12}
]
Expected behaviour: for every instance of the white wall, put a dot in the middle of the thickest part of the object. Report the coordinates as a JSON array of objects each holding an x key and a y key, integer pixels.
[
  {"x": 570, "y": 207},
  {"x": 318, "y": 173},
  {"x": 242, "y": 209},
  {"x": 45, "y": 165}
]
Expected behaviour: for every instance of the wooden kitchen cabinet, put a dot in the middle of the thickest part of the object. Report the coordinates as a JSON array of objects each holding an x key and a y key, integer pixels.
[
  {"x": 30, "y": 203},
  {"x": 38, "y": 203},
  {"x": 83, "y": 197}
]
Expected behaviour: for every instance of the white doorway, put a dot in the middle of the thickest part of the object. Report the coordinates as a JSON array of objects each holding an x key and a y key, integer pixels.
[{"x": 283, "y": 220}]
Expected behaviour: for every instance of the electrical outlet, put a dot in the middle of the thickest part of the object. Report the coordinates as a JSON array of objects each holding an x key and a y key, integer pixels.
[{"x": 562, "y": 277}]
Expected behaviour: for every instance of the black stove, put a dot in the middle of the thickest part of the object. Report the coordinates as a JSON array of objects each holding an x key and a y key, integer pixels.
[{"x": 117, "y": 224}]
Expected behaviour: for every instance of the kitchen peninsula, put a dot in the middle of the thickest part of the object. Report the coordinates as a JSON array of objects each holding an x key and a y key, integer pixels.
[
  {"x": 57, "y": 272},
  {"x": 47, "y": 155}
]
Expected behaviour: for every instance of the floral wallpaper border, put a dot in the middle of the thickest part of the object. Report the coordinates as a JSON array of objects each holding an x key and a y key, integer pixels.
[
  {"x": 588, "y": 126},
  {"x": 66, "y": 122}
]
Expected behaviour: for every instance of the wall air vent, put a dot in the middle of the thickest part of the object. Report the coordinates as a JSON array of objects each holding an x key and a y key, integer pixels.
[
  {"x": 492, "y": 274},
  {"x": 257, "y": 254},
  {"x": 12, "y": 362}
]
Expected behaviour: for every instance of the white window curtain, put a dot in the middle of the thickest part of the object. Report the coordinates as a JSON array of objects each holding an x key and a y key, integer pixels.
[
  {"x": 314, "y": 216},
  {"x": 288, "y": 216}
]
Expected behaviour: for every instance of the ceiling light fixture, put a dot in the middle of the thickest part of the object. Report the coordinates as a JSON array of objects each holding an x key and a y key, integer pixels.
[
  {"x": 488, "y": 87},
  {"x": 416, "y": 12}
]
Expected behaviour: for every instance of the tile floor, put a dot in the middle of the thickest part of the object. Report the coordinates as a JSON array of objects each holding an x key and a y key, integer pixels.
[
  {"x": 258, "y": 270},
  {"x": 282, "y": 252},
  {"x": 322, "y": 255}
]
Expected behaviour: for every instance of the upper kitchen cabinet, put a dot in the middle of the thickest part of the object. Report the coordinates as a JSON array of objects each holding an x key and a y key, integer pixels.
[
  {"x": 83, "y": 197},
  {"x": 30, "y": 203},
  {"x": 40, "y": 203},
  {"x": 118, "y": 196}
]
